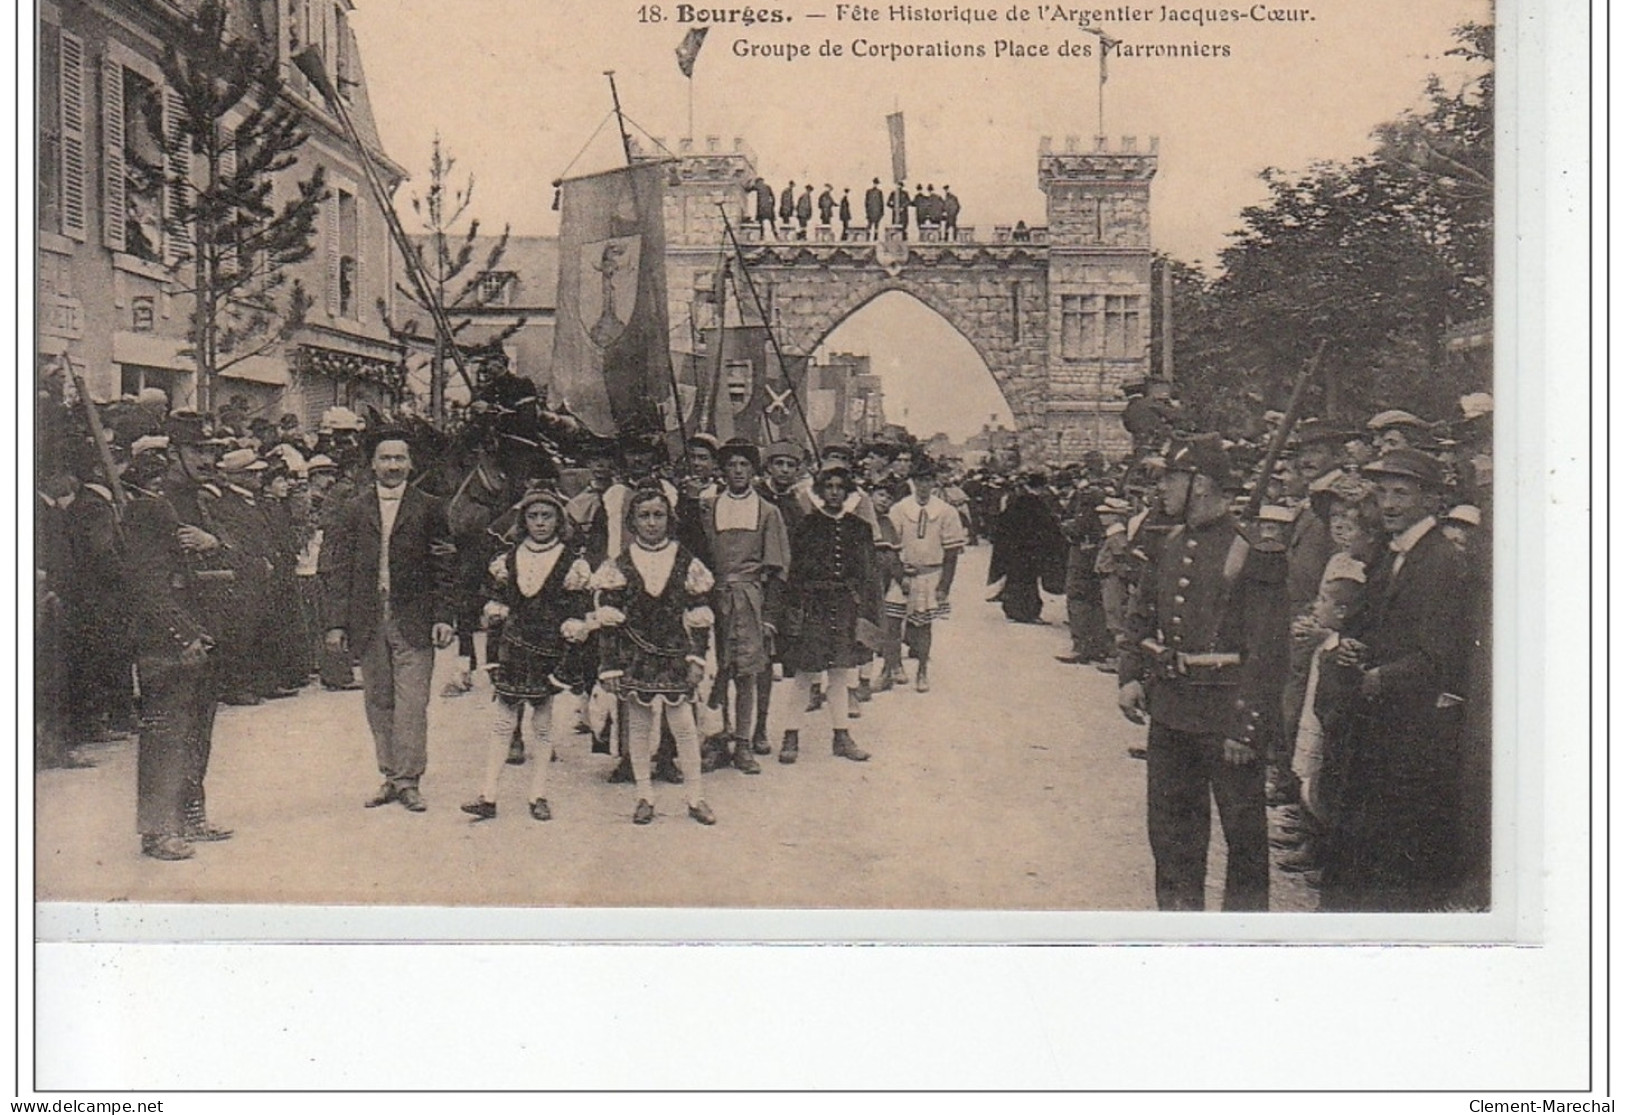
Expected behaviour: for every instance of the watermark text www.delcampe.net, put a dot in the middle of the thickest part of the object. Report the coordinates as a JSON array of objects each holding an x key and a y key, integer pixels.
[{"x": 90, "y": 1107}]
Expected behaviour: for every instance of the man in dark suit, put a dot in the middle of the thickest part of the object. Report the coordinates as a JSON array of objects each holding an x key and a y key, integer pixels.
[
  {"x": 787, "y": 205},
  {"x": 874, "y": 208},
  {"x": 1395, "y": 843},
  {"x": 389, "y": 570},
  {"x": 900, "y": 203}
]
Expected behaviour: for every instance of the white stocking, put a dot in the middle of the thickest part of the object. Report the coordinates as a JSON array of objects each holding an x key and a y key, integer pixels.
[{"x": 504, "y": 716}]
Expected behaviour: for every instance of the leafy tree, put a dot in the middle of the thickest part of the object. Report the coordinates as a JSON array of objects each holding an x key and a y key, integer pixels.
[
  {"x": 446, "y": 255},
  {"x": 1376, "y": 257},
  {"x": 230, "y": 144}
]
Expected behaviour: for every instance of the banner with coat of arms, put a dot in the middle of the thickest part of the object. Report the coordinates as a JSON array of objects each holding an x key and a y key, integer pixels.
[{"x": 611, "y": 361}]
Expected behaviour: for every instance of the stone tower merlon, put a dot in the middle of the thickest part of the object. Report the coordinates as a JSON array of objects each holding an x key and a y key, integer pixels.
[
  {"x": 701, "y": 176},
  {"x": 1098, "y": 197},
  {"x": 1099, "y": 288}
]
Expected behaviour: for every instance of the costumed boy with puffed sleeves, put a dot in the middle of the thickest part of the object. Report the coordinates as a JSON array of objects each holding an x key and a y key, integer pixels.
[
  {"x": 539, "y": 592},
  {"x": 654, "y": 614}
]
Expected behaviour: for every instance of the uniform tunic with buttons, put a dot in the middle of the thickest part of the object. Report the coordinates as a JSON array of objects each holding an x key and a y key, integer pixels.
[{"x": 1192, "y": 604}]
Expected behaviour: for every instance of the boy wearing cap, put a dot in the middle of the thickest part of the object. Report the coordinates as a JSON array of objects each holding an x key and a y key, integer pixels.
[
  {"x": 1200, "y": 644},
  {"x": 538, "y": 591},
  {"x": 751, "y": 554},
  {"x": 931, "y": 538},
  {"x": 1396, "y": 845}
]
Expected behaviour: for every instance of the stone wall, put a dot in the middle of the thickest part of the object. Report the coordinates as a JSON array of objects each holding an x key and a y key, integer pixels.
[{"x": 1010, "y": 301}]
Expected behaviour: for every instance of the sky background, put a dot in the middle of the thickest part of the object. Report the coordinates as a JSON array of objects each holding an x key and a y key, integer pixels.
[{"x": 516, "y": 89}]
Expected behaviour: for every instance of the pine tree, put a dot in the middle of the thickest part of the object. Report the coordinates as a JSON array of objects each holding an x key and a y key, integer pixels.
[
  {"x": 446, "y": 255},
  {"x": 232, "y": 141}
]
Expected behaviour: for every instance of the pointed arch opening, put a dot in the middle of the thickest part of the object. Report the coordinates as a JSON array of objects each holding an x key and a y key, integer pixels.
[{"x": 930, "y": 379}]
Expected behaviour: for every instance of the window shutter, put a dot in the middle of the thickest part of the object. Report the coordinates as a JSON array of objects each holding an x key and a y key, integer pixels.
[
  {"x": 228, "y": 149},
  {"x": 178, "y": 240},
  {"x": 72, "y": 99},
  {"x": 113, "y": 204},
  {"x": 332, "y": 236}
]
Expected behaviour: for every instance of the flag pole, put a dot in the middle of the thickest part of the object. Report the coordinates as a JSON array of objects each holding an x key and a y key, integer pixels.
[
  {"x": 773, "y": 338},
  {"x": 620, "y": 118},
  {"x": 309, "y": 63},
  {"x": 671, "y": 370}
]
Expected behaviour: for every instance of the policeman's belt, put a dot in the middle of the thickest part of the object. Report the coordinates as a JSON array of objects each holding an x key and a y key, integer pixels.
[{"x": 1176, "y": 663}]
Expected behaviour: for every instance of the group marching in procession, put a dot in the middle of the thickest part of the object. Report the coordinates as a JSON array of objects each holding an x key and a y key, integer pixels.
[{"x": 1305, "y": 629}]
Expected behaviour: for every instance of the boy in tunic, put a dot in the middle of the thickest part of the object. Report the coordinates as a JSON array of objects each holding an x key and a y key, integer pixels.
[
  {"x": 751, "y": 551},
  {"x": 931, "y": 537}
]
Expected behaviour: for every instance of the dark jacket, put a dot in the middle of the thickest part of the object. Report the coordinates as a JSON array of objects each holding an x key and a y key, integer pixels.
[
  {"x": 161, "y": 579},
  {"x": 1208, "y": 592},
  {"x": 422, "y": 568},
  {"x": 1398, "y": 762},
  {"x": 874, "y": 204}
]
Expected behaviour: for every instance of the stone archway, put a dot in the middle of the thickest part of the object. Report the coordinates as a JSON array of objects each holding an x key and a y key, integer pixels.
[
  {"x": 999, "y": 310},
  {"x": 1059, "y": 312}
]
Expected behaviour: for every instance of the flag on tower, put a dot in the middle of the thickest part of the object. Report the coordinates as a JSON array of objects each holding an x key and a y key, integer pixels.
[
  {"x": 1107, "y": 45},
  {"x": 899, "y": 158},
  {"x": 689, "y": 50}
]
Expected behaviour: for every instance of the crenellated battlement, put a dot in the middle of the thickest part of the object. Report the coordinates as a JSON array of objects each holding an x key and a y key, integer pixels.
[
  {"x": 702, "y": 162},
  {"x": 1096, "y": 161}
]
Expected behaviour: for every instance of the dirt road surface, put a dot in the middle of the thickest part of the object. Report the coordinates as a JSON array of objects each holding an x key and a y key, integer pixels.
[{"x": 1008, "y": 786}]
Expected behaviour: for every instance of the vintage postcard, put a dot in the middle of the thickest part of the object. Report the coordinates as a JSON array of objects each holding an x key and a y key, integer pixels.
[
  {"x": 997, "y": 458},
  {"x": 918, "y": 472}
]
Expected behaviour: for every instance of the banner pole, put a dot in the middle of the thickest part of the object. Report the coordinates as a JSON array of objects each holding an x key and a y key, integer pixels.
[{"x": 773, "y": 338}]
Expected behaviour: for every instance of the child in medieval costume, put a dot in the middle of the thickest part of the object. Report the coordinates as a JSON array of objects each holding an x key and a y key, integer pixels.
[
  {"x": 832, "y": 608},
  {"x": 654, "y": 617},
  {"x": 751, "y": 551},
  {"x": 894, "y": 586},
  {"x": 931, "y": 537},
  {"x": 539, "y": 596}
]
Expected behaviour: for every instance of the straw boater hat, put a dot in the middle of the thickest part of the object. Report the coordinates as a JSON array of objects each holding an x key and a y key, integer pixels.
[
  {"x": 1465, "y": 514},
  {"x": 241, "y": 460},
  {"x": 1389, "y": 419}
]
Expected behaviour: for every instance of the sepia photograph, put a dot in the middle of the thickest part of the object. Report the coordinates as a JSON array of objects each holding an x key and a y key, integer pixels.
[
  {"x": 806, "y": 472},
  {"x": 906, "y": 457}
]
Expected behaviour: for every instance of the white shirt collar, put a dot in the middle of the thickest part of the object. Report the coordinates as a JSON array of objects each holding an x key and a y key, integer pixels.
[{"x": 1403, "y": 542}]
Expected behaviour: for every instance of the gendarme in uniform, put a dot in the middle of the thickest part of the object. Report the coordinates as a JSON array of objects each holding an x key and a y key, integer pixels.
[{"x": 1202, "y": 636}]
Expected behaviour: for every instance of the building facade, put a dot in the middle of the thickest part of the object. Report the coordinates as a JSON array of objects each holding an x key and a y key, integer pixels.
[
  {"x": 513, "y": 302},
  {"x": 112, "y": 283}
]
